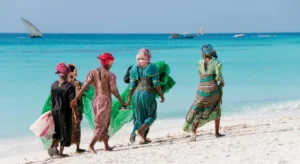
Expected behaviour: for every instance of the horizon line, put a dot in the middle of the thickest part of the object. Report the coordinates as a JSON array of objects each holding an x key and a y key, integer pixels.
[{"x": 152, "y": 33}]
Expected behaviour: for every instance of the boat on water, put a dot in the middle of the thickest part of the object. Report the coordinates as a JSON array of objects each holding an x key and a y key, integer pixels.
[
  {"x": 264, "y": 36},
  {"x": 201, "y": 31},
  {"x": 33, "y": 31},
  {"x": 182, "y": 36},
  {"x": 239, "y": 35}
]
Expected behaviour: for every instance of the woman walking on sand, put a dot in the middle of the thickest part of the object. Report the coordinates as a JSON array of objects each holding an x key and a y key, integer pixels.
[
  {"x": 104, "y": 83},
  {"x": 144, "y": 83},
  {"x": 82, "y": 108},
  {"x": 207, "y": 103},
  {"x": 62, "y": 93}
]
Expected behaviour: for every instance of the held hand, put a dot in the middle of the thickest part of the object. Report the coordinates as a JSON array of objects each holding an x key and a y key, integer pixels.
[
  {"x": 123, "y": 104},
  {"x": 128, "y": 102},
  {"x": 162, "y": 98},
  {"x": 73, "y": 103}
]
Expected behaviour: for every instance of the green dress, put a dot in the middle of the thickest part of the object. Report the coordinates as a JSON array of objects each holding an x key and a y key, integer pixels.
[
  {"x": 207, "y": 102},
  {"x": 144, "y": 81},
  {"x": 120, "y": 117}
]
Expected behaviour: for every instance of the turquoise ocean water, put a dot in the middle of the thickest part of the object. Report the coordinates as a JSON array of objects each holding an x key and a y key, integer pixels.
[{"x": 261, "y": 74}]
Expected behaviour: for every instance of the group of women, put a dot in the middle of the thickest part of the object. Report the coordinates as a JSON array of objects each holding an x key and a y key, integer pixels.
[{"x": 69, "y": 100}]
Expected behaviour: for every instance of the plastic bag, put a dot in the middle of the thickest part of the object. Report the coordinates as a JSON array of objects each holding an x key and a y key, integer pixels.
[{"x": 43, "y": 127}]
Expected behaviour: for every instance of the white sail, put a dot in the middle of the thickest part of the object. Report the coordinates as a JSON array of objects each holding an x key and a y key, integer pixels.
[
  {"x": 32, "y": 30},
  {"x": 201, "y": 31}
]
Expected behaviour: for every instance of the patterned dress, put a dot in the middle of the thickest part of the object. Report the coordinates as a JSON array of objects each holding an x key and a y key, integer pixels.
[
  {"x": 76, "y": 128},
  {"x": 102, "y": 103},
  {"x": 207, "y": 103},
  {"x": 144, "y": 81}
]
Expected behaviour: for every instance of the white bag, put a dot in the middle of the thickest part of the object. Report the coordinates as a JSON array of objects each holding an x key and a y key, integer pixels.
[{"x": 44, "y": 126}]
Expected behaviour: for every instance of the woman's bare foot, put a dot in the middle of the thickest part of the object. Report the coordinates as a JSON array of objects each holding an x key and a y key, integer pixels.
[
  {"x": 141, "y": 136},
  {"x": 92, "y": 150},
  {"x": 132, "y": 139},
  {"x": 220, "y": 135},
  {"x": 108, "y": 149},
  {"x": 148, "y": 140},
  {"x": 193, "y": 138}
]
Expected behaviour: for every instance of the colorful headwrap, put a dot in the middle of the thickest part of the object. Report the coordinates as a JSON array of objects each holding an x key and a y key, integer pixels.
[
  {"x": 106, "y": 59},
  {"x": 208, "y": 50},
  {"x": 143, "y": 57},
  {"x": 62, "y": 70}
]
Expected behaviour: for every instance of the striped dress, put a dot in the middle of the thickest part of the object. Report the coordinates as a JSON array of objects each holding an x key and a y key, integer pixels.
[{"x": 207, "y": 103}]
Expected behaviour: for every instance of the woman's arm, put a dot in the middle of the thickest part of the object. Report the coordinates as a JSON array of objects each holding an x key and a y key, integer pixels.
[
  {"x": 161, "y": 95},
  {"x": 89, "y": 79},
  {"x": 219, "y": 75},
  {"x": 114, "y": 89},
  {"x": 85, "y": 86},
  {"x": 133, "y": 84},
  {"x": 71, "y": 96}
]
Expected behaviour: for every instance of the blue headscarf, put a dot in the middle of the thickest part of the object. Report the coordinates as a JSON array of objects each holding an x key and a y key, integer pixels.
[{"x": 208, "y": 50}]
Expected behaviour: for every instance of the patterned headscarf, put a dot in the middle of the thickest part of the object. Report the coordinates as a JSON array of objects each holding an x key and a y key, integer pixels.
[
  {"x": 209, "y": 51},
  {"x": 143, "y": 57},
  {"x": 62, "y": 70},
  {"x": 106, "y": 59}
]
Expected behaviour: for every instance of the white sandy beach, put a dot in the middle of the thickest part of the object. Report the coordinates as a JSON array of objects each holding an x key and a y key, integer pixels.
[{"x": 272, "y": 140}]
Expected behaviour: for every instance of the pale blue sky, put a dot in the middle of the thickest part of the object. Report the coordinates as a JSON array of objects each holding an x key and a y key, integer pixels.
[{"x": 151, "y": 16}]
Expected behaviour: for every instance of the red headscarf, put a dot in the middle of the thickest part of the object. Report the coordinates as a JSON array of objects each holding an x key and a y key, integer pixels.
[
  {"x": 62, "y": 70},
  {"x": 106, "y": 59}
]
